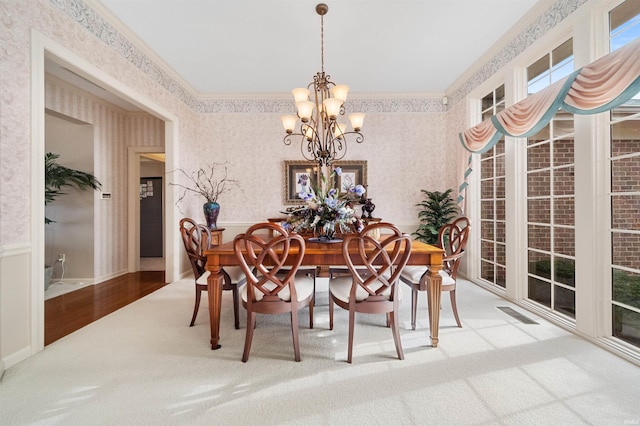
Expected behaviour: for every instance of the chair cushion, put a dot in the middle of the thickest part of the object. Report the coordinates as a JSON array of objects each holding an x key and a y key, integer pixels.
[
  {"x": 340, "y": 288},
  {"x": 235, "y": 273},
  {"x": 414, "y": 273},
  {"x": 203, "y": 278},
  {"x": 304, "y": 288}
]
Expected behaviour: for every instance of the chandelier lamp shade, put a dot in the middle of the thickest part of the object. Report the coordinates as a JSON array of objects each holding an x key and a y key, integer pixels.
[{"x": 320, "y": 109}]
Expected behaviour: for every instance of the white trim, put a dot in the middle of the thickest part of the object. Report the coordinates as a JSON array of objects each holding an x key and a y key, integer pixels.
[
  {"x": 473, "y": 196},
  {"x": 15, "y": 250},
  {"x": 172, "y": 241},
  {"x": 9, "y": 251},
  {"x": 133, "y": 213},
  {"x": 38, "y": 46},
  {"x": 17, "y": 356}
]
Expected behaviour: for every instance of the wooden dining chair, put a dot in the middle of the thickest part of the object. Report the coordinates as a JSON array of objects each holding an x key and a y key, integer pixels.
[
  {"x": 375, "y": 265},
  {"x": 196, "y": 238},
  {"x": 453, "y": 238},
  {"x": 270, "y": 258}
]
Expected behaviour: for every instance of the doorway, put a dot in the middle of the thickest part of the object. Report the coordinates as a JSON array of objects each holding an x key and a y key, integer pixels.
[
  {"x": 152, "y": 173},
  {"x": 151, "y": 217},
  {"x": 42, "y": 47}
]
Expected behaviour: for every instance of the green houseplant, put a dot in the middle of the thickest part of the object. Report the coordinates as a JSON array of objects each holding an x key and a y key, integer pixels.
[
  {"x": 56, "y": 178},
  {"x": 437, "y": 209}
]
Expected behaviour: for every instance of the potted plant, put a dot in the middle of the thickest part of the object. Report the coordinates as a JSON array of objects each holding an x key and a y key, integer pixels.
[
  {"x": 56, "y": 179},
  {"x": 203, "y": 182},
  {"x": 438, "y": 208}
]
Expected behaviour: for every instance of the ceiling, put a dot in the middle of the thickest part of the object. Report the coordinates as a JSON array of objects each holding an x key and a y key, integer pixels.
[{"x": 374, "y": 46}]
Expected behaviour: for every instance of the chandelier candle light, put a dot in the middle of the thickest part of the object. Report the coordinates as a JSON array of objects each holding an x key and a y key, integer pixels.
[{"x": 322, "y": 137}]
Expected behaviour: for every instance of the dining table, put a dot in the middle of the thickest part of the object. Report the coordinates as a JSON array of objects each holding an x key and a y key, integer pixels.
[{"x": 324, "y": 254}]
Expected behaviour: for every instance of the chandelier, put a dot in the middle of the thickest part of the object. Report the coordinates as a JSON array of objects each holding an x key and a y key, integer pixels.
[{"x": 323, "y": 137}]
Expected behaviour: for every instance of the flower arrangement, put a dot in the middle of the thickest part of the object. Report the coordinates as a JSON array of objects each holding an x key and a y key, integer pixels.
[{"x": 326, "y": 210}]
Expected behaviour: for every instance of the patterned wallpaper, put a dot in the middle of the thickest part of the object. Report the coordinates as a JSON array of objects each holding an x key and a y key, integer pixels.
[
  {"x": 404, "y": 153},
  {"x": 96, "y": 24},
  {"x": 114, "y": 131},
  {"x": 403, "y": 135}
]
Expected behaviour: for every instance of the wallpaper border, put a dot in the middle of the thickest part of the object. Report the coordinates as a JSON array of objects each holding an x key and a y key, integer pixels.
[{"x": 85, "y": 15}]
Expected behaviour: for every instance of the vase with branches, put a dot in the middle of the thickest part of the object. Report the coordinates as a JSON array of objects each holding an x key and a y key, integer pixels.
[{"x": 208, "y": 182}]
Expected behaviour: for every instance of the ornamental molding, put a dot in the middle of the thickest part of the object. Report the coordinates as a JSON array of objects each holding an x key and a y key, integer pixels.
[
  {"x": 549, "y": 19},
  {"x": 91, "y": 20}
]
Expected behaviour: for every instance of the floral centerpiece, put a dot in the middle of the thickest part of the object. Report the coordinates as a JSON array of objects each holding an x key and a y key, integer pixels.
[{"x": 327, "y": 210}]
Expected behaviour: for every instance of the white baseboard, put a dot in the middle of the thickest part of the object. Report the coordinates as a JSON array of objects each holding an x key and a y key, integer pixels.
[
  {"x": 16, "y": 357},
  {"x": 107, "y": 277}
]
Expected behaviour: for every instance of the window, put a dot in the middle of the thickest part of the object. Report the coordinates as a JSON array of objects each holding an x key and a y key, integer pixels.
[
  {"x": 492, "y": 184},
  {"x": 550, "y": 195},
  {"x": 624, "y": 22},
  {"x": 551, "y": 67}
]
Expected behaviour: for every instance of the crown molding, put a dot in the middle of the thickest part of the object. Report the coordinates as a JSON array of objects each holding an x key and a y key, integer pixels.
[
  {"x": 103, "y": 24},
  {"x": 510, "y": 48}
]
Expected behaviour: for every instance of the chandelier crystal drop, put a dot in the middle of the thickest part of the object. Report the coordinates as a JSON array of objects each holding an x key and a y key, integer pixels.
[{"x": 320, "y": 108}]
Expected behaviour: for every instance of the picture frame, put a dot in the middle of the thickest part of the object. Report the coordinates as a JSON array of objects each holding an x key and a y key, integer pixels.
[
  {"x": 295, "y": 181},
  {"x": 353, "y": 173}
]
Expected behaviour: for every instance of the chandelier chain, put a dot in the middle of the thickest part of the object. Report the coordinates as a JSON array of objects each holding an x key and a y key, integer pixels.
[{"x": 322, "y": 43}]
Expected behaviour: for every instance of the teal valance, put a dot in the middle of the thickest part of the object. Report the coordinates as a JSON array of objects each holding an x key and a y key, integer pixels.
[{"x": 600, "y": 86}]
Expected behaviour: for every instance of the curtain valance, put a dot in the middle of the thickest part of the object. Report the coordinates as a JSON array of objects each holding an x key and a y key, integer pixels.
[{"x": 600, "y": 86}]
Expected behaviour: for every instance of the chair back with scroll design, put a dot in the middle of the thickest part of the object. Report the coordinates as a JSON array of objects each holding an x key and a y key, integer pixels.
[
  {"x": 375, "y": 265},
  {"x": 453, "y": 238},
  {"x": 270, "y": 257},
  {"x": 196, "y": 238}
]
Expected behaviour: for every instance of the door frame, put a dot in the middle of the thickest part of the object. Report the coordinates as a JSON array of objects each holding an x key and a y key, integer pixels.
[
  {"x": 42, "y": 46},
  {"x": 134, "y": 154}
]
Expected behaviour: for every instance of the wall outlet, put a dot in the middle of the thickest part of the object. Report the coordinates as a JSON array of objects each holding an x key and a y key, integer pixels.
[{"x": 62, "y": 257}]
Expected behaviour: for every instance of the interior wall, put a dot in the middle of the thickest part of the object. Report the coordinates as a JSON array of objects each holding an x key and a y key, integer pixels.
[
  {"x": 72, "y": 232},
  {"x": 108, "y": 122},
  {"x": 114, "y": 131},
  {"x": 151, "y": 168},
  {"x": 404, "y": 152}
]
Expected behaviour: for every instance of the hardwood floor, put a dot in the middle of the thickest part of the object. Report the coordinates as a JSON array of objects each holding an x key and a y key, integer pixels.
[{"x": 71, "y": 311}]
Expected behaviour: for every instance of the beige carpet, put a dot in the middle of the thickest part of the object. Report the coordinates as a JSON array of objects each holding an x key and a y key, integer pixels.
[{"x": 143, "y": 365}]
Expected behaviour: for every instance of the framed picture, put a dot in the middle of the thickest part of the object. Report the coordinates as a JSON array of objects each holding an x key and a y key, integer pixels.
[
  {"x": 353, "y": 173},
  {"x": 299, "y": 176}
]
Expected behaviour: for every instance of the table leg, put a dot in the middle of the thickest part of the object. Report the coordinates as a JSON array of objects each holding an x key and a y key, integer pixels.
[
  {"x": 215, "y": 281},
  {"x": 434, "y": 281}
]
